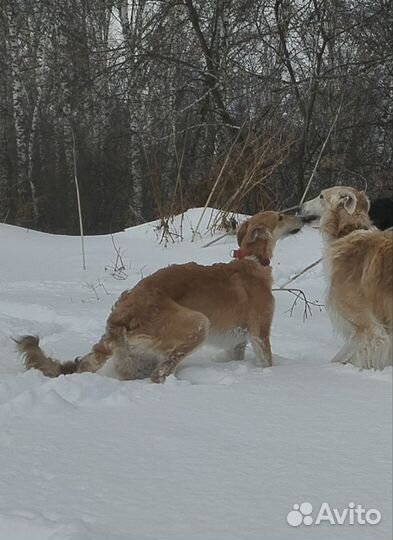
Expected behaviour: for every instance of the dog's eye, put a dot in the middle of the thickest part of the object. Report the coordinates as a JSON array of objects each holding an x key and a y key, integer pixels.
[
  {"x": 321, "y": 196},
  {"x": 280, "y": 217}
]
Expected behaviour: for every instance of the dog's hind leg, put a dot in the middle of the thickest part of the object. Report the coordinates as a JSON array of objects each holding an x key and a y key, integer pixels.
[
  {"x": 188, "y": 329},
  {"x": 134, "y": 362},
  {"x": 237, "y": 353},
  {"x": 95, "y": 359},
  {"x": 367, "y": 349}
]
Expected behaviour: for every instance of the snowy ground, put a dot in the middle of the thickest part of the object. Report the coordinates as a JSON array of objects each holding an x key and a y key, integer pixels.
[{"x": 221, "y": 451}]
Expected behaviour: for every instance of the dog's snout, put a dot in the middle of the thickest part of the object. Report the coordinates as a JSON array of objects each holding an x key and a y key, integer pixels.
[
  {"x": 299, "y": 221},
  {"x": 302, "y": 212},
  {"x": 308, "y": 212},
  {"x": 294, "y": 224},
  {"x": 307, "y": 219}
]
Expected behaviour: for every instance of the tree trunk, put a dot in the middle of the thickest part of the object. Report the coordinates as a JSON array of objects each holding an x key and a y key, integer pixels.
[{"x": 18, "y": 103}]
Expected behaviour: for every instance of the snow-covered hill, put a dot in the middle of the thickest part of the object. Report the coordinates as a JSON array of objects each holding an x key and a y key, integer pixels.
[{"x": 224, "y": 450}]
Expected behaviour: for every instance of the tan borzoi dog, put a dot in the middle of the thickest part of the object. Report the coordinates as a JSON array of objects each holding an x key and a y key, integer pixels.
[
  {"x": 359, "y": 262},
  {"x": 169, "y": 314}
]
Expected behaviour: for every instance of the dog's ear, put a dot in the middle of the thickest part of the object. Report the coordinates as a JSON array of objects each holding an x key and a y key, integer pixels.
[
  {"x": 364, "y": 202},
  {"x": 257, "y": 232},
  {"x": 241, "y": 232},
  {"x": 346, "y": 199}
]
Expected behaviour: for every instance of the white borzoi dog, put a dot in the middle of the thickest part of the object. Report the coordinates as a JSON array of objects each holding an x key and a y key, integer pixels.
[
  {"x": 359, "y": 263},
  {"x": 167, "y": 315}
]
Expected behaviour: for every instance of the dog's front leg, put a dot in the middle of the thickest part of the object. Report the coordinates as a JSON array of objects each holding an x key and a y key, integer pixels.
[{"x": 262, "y": 350}]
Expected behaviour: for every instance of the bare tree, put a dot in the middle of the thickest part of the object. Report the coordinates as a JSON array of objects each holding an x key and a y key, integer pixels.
[{"x": 160, "y": 95}]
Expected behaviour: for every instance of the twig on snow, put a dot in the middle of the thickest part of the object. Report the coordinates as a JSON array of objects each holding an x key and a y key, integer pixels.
[
  {"x": 294, "y": 278},
  {"x": 300, "y": 295},
  {"x": 118, "y": 269},
  {"x": 217, "y": 239}
]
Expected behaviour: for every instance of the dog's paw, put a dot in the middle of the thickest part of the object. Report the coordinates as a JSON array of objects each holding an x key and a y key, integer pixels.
[{"x": 158, "y": 377}]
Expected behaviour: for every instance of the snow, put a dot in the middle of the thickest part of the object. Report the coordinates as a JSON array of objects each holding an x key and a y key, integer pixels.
[{"x": 221, "y": 450}]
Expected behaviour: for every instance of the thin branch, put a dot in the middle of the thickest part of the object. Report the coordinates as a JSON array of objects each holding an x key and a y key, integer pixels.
[
  {"x": 289, "y": 209},
  {"x": 322, "y": 150},
  {"x": 300, "y": 295},
  {"x": 78, "y": 199},
  {"x": 294, "y": 278},
  {"x": 118, "y": 269},
  {"x": 216, "y": 240},
  {"x": 215, "y": 184}
]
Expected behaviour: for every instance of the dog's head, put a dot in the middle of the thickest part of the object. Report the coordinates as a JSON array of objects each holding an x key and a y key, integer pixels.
[
  {"x": 258, "y": 235},
  {"x": 342, "y": 210},
  {"x": 349, "y": 199}
]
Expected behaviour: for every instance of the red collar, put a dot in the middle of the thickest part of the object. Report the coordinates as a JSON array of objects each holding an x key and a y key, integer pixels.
[{"x": 241, "y": 253}]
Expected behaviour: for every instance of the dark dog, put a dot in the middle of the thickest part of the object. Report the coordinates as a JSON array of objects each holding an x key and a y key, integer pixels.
[{"x": 381, "y": 213}]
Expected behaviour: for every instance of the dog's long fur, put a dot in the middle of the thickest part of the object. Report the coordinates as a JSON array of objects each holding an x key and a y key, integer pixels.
[
  {"x": 359, "y": 261},
  {"x": 167, "y": 315}
]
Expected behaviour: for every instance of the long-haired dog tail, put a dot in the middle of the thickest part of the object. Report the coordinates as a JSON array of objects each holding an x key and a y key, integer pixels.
[{"x": 35, "y": 358}]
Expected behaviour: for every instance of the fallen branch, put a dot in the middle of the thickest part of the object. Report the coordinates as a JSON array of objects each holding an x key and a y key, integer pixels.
[
  {"x": 309, "y": 267},
  {"x": 300, "y": 295},
  {"x": 290, "y": 209},
  {"x": 217, "y": 239}
]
